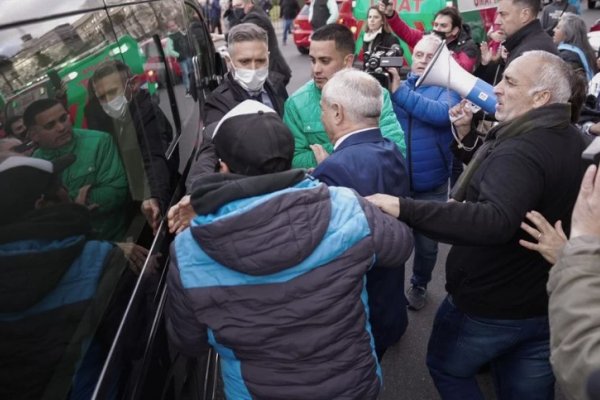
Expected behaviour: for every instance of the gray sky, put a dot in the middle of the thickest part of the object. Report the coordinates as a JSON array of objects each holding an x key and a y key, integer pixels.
[{"x": 18, "y": 10}]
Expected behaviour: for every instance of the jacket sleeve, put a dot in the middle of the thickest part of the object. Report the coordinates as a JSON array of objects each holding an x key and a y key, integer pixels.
[
  {"x": 335, "y": 174},
  {"x": 204, "y": 161},
  {"x": 434, "y": 112},
  {"x": 333, "y": 11},
  {"x": 574, "y": 289},
  {"x": 409, "y": 35},
  {"x": 509, "y": 188},
  {"x": 468, "y": 62},
  {"x": 110, "y": 188},
  {"x": 303, "y": 155},
  {"x": 392, "y": 241},
  {"x": 184, "y": 331},
  {"x": 150, "y": 131},
  {"x": 389, "y": 125}
]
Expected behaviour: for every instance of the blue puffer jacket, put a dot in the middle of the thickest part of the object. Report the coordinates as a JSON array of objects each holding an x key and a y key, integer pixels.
[
  {"x": 272, "y": 274},
  {"x": 57, "y": 287},
  {"x": 423, "y": 115}
]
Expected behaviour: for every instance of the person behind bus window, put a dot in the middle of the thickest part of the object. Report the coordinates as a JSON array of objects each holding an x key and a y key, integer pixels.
[
  {"x": 96, "y": 178},
  {"x": 142, "y": 133}
]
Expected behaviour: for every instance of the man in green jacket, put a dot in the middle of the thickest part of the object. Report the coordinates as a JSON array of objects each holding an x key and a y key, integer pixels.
[
  {"x": 96, "y": 178},
  {"x": 331, "y": 50}
]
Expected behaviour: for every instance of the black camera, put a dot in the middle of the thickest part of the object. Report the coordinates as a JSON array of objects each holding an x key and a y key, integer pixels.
[{"x": 377, "y": 61}]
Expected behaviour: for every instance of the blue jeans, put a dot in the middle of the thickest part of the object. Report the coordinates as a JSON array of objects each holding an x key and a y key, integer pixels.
[
  {"x": 185, "y": 72},
  {"x": 287, "y": 28},
  {"x": 518, "y": 350},
  {"x": 426, "y": 249}
]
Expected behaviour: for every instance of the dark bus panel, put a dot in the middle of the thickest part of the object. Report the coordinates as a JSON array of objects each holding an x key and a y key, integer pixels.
[{"x": 101, "y": 110}]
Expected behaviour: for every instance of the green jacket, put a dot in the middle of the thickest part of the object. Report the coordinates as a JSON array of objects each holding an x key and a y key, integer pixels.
[
  {"x": 303, "y": 116},
  {"x": 98, "y": 164}
]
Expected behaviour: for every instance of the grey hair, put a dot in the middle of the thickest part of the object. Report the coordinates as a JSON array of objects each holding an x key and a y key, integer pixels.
[
  {"x": 575, "y": 31},
  {"x": 357, "y": 92},
  {"x": 246, "y": 32},
  {"x": 431, "y": 37},
  {"x": 553, "y": 75}
]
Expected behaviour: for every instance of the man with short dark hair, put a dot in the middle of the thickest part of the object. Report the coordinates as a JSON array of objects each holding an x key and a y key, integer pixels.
[
  {"x": 448, "y": 24},
  {"x": 331, "y": 50},
  {"x": 496, "y": 310},
  {"x": 518, "y": 20},
  {"x": 271, "y": 272},
  {"x": 96, "y": 178}
]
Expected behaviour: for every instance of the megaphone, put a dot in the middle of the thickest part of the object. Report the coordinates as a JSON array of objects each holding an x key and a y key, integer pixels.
[{"x": 444, "y": 71}]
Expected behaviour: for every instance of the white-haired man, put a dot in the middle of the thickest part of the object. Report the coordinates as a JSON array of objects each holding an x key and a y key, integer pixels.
[
  {"x": 362, "y": 159},
  {"x": 497, "y": 307}
]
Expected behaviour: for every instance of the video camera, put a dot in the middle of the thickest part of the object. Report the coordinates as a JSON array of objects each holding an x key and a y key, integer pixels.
[{"x": 377, "y": 61}]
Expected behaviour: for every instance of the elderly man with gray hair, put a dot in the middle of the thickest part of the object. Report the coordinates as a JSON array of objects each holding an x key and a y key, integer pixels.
[
  {"x": 365, "y": 161},
  {"x": 496, "y": 310}
]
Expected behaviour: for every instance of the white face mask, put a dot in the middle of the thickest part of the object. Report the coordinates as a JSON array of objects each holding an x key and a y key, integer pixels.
[
  {"x": 251, "y": 80},
  {"x": 117, "y": 107}
]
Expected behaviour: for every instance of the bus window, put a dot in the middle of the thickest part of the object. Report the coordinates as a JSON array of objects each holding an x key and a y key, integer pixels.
[{"x": 70, "y": 216}]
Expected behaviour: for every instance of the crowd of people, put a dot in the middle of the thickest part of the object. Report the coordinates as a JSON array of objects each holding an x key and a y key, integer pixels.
[
  {"x": 303, "y": 209},
  {"x": 396, "y": 147}
]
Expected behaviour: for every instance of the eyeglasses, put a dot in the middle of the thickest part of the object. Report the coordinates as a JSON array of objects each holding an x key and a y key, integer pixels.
[{"x": 62, "y": 119}]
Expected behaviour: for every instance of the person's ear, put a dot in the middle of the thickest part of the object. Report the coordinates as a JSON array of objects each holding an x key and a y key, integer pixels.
[
  {"x": 338, "y": 113},
  {"x": 349, "y": 60},
  {"x": 223, "y": 167},
  {"x": 454, "y": 31},
  {"x": 541, "y": 98},
  {"x": 525, "y": 15}
]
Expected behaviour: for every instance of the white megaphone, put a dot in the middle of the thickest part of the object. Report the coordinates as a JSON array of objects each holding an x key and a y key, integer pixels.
[{"x": 444, "y": 71}]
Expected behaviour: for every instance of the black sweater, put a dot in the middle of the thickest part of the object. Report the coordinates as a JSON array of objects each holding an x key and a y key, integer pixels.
[{"x": 488, "y": 273}]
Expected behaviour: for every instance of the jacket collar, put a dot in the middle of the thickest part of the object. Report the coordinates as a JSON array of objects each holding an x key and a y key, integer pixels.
[
  {"x": 364, "y": 136},
  {"x": 212, "y": 191},
  {"x": 517, "y": 38}
]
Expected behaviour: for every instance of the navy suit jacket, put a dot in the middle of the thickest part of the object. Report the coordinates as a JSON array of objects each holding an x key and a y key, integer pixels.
[{"x": 369, "y": 164}]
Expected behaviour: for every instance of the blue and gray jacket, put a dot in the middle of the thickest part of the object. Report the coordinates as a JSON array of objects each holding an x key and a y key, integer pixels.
[{"x": 272, "y": 274}]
